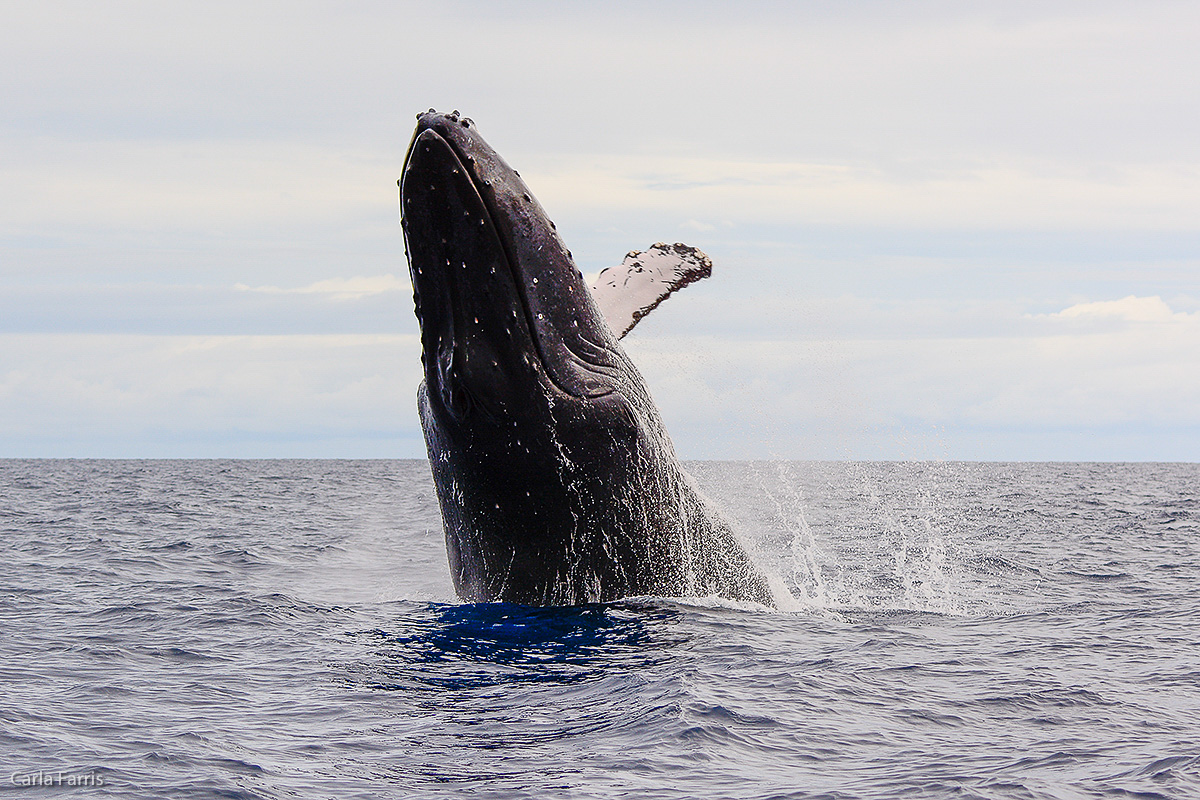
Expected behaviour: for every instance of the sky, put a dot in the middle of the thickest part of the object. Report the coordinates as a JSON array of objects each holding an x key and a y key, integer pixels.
[{"x": 940, "y": 230}]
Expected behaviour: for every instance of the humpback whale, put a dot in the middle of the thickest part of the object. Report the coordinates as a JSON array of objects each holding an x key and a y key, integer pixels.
[{"x": 557, "y": 482}]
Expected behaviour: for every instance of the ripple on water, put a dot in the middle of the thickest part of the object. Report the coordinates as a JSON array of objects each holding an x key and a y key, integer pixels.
[{"x": 286, "y": 629}]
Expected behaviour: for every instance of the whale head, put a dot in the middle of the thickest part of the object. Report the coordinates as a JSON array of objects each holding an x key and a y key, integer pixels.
[{"x": 528, "y": 404}]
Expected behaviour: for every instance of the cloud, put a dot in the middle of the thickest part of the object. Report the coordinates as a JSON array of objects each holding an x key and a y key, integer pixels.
[
  {"x": 1127, "y": 309},
  {"x": 1064, "y": 393},
  {"x": 351, "y": 306},
  {"x": 1065, "y": 396},
  {"x": 896, "y": 190},
  {"x": 993, "y": 193},
  {"x": 340, "y": 288},
  {"x": 131, "y": 395},
  {"x": 860, "y": 377},
  {"x": 188, "y": 186}
]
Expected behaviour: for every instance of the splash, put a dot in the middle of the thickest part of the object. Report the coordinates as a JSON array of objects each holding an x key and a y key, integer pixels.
[{"x": 877, "y": 538}]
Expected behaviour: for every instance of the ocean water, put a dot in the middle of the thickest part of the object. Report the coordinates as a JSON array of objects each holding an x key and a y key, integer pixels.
[{"x": 287, "y": 629}]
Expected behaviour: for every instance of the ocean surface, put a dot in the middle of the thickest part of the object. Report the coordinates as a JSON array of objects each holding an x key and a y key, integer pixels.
[{"x": 287, "y": 629}]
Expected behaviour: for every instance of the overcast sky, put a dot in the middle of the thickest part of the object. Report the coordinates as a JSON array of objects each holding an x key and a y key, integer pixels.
[{"x": 940, "y": 230}]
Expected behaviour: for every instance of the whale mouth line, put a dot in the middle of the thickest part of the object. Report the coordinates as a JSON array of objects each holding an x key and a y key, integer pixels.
[{"x": 463, "y": 162}]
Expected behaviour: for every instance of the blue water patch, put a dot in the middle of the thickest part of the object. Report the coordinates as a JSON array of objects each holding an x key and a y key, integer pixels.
[{"x": 447, "y": 646}]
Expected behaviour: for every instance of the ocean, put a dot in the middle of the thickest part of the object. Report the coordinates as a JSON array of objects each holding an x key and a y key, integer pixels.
[{"x": 288, "y": 629}]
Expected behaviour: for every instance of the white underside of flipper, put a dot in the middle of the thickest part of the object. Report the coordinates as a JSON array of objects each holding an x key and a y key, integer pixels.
[{"x": 628, "y": 292}]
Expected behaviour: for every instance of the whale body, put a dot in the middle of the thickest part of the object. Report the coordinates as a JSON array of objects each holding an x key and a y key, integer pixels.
[{"x": 557, "y": 482}]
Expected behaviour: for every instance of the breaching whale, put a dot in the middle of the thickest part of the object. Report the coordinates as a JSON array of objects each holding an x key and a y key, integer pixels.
[{"x": 557, "y": 482}]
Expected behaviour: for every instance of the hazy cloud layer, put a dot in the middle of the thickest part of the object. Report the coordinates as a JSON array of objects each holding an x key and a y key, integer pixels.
[
  {"x": 1071, "y": 391},
  {"x": 1074, "y": 391},
  {"x": 140, "y": 395},
  {"x": 942, "y": 229}
]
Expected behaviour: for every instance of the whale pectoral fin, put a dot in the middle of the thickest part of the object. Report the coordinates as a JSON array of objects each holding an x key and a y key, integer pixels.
[{"x": 628, "y": 292}]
